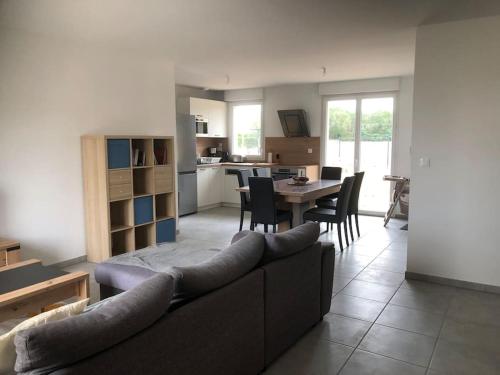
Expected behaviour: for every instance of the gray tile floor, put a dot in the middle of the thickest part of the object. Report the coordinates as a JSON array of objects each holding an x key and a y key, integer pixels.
[{"x": 379, "y": 323}]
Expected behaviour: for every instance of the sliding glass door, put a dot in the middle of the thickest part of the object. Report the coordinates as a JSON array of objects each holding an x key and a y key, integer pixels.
[{"x": 359, "y": 132}]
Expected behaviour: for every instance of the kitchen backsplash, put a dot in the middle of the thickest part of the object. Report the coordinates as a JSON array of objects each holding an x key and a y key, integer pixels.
[
  {"x": 294, "y": 151},
  {"x": 203, "y": 143}
]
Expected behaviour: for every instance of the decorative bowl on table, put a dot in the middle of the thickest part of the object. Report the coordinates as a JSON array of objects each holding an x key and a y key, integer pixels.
[{"x": 300, "y": 181}]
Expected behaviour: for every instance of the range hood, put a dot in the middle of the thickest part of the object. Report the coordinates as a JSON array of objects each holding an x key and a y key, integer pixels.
[{"x": 293, "y": 122}]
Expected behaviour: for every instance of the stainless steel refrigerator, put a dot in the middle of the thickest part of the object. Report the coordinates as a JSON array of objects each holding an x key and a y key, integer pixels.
[{"x": 186, "y": 164}]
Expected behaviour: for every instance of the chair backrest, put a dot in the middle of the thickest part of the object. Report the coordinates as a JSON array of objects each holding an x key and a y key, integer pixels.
[
  {"x": 243, "y": 175},
  {"x": 260, "y": 172},
  {"x": 356, "y": 188},
  {"x": 263, "y": 200},
  {"x": 331, "y": 173},
  {"x": 343, "y": 199}
]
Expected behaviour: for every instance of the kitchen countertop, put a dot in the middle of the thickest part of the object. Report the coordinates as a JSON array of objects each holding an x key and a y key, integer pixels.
[{"x": 228, "y": 164}]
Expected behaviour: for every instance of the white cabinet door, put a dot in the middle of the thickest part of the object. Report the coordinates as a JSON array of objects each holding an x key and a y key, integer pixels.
[
  {"x": 210, "y": 186},
  {"x": 215, "y": 185},
  {"x": 230, "y": 186},
  {"x": 199, "y": 106},
  {"x": 203, "y": 187},
  {"x": 217, "y": 124},
  {"x": 214, "y": 111}
]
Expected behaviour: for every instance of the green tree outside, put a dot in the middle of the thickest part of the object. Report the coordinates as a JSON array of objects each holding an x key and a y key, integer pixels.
[{"x": 375, "y": 127}]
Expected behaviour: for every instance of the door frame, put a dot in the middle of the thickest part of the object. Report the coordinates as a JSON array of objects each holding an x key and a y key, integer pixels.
[{"x": 358, "y": 97}]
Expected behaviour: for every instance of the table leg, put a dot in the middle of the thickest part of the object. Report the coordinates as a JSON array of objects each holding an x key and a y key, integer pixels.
[
  {"x": 283, "y": 226},
  {"x": 298, "y": 210},
  {"x": 83, "y": 288}
]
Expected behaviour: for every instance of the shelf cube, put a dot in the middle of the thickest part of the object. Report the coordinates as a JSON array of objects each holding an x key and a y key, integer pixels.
[
  {"x": 143, "y": 210},
  {"x": 165, "y": 231},
  {"x": 118, "y": 153}
]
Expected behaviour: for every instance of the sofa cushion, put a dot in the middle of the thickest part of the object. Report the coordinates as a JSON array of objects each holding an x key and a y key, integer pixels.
[
  {"x": 279, "y": 245},
  {"x": 228, "y": 265},
  {"x": 121, "y": 276},
  {"x": 58, "y": 344},
  {"x": 7, "y": 347},
  {"x": 239, "y": 235}
]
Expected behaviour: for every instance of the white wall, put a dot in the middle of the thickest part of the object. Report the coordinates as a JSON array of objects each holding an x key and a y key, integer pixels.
[
  {"x": 50, "y": 94},
  {"x": 304, "y": 97},
  {"x": 402, "y": 147},
  {"x": 454, "y": 206}
]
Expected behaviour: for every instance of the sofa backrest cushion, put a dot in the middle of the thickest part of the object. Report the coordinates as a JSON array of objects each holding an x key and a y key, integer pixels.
[
  {"x": 228, "y": 265},
  {"x": 280, "y": 245},
  {"x": 58, "y": 344}
]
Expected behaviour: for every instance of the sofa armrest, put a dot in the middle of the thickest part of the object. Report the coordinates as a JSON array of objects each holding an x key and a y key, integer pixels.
[
  {"x": 327, "y": 269},
  {"x": 120, "y": 277}
]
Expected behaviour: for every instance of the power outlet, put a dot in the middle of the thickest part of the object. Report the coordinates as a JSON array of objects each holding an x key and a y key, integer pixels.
[
  {"x": 424, "y": 162},
  {"x": 309, "y": 150}
]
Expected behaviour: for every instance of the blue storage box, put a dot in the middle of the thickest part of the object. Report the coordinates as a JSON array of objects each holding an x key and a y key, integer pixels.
[
  {"x": 118, "y": 153},
  {"x": 143, "y": 210},
  {"x": 165, "y": 231}
]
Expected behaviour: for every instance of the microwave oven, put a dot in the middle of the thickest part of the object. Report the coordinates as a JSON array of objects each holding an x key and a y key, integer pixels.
[{"x": 201, "y": 124}]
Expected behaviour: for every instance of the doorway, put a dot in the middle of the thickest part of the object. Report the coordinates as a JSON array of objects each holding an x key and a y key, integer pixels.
[{"x": 359, "y": 135}]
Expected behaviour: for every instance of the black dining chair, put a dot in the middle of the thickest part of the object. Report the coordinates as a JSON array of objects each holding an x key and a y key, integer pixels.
[
  {"x": 337, "y": 215},
  {"x": 354, "y": 201},
  {"x": 243, "y": 175},
  {"x": 329, "y": 173},
  {"x": 264, "y": 210},
  {"x": 260, "y": 172}
]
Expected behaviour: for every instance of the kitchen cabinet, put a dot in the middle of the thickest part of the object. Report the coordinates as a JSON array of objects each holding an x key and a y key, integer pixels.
[
  {"x": 210, "y": 186},
  {"x": 231, "y": 196},
  {"x": 214, "y": 111},
  {"x": 203, "y": 191},
  {"x": 217, "y": 123}
]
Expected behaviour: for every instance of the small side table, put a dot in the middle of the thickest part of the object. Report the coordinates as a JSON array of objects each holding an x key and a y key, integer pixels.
[{"x": 10, "y": 252}]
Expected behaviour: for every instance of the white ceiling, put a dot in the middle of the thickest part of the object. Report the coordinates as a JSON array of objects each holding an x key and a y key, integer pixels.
[{"x": 254, "y": 42}]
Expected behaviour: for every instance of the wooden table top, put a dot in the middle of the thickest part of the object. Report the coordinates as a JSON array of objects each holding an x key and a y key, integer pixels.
[
  {"x": 6, "y": 243},
  {"x": 29, "y": 278},
  {"x": 300, "y": 194}
]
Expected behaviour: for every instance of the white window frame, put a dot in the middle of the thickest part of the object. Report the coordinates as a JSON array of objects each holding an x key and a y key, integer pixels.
[
  {"x": 231, "y": 126},
  {"x": 358, "y": 97}
]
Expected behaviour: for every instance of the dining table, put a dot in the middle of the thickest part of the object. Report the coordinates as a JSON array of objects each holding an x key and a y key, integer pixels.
[{"x": 301, "y": 197}]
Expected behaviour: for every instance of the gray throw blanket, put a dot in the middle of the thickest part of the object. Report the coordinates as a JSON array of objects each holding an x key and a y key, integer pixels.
[{"x": 160, "y": 258}]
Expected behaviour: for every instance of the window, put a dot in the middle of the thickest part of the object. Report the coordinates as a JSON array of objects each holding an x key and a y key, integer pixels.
[
  {"x": 247, "y": 129},
  {"x": 359, "y": 137}
]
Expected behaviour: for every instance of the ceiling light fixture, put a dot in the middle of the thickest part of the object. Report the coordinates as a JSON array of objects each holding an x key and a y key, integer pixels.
[{"x": 323, "y": 71}]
